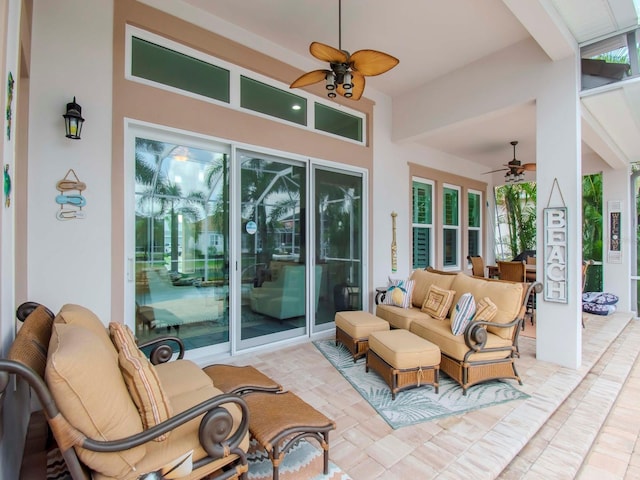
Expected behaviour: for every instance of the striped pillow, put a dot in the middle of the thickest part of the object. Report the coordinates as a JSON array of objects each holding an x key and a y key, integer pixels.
[
  {"x": 463, "y": 313},
  {"x": 485, "y": 310},
  {"x": 141, "y": 379},
  {"x": 399, "y": 292},
  {"x": 437, "y": 302}
]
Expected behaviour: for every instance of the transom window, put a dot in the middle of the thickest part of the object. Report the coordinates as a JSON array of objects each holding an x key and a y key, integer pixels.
[{"x": 162, "y": 63}]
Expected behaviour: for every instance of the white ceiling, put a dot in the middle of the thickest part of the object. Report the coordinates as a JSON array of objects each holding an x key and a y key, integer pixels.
[{"x": 432, "y": 38}]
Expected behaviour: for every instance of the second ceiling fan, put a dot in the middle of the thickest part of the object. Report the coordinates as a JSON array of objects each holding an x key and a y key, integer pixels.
[
  {"x": 346, "y": 72},
  {"x": 515, "y": 169}
]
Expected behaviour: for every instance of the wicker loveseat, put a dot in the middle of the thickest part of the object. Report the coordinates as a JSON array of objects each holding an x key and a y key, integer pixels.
[
  {"x": 110, "y": 423},
  {"x": 487, "y": 349}
]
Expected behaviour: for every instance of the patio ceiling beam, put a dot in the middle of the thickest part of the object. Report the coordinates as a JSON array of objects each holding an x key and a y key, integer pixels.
[{"x": 546, "y": 26}]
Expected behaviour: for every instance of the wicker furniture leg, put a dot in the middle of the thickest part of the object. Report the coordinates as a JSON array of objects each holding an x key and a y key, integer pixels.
[{"x": 279, "y": 421}]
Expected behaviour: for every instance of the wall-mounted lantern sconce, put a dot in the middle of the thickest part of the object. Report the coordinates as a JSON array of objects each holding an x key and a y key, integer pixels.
[{"x": 73, "y": 120}]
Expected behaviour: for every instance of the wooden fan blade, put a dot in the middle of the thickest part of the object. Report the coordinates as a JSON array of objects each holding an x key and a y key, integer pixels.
[
  {"x": 357, "y": 89},
  {"x": 309, "y": 78},
  {"x": 372, "y": 62},
  {"x": 327, "y": 54},
  {"x": 494, "y": 171},
  {"x": 530, "y": 167}
]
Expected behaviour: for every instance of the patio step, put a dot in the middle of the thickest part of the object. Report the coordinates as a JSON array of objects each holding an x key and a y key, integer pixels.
[{"x": 600, "y": 412}]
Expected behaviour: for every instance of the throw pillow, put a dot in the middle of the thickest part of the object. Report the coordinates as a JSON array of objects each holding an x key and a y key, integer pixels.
[
  {"x": 437, "y": 302},
  {"x": 598, "y": 308},
  {"x": 485, "y": 310},
  {"x": 399, "y": 292},
  {"x": 463, "y": 313},
  {"x": 141, "y": 379},
  {"x": 601, "y": 298}
]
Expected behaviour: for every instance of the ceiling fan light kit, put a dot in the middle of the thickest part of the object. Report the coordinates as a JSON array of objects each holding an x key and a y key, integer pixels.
[{"x": 347, "y": 71}]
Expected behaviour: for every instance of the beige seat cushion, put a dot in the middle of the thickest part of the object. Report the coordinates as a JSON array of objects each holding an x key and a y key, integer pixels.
[
  {"x": 439, "y": 332},
  {"x": 141, "y": 379},
  {"x": 423, "y": 280},
  {"x": 85, "y": 381},
  {"x": 507, "y": 297},
  {"x": 399, "y": 317},
  {"x": 79, "y": 315},
  {"x": 359, "y": 324},
  {"x": 185, "y": 437},
  {"x": 402, "y": 349},
  {"x": 179, "y": 376}
]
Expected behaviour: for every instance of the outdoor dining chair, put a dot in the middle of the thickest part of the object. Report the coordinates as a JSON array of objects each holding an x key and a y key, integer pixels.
[
  {"x": 512, "y": 271},
  {"x": 477, "y": 266}
]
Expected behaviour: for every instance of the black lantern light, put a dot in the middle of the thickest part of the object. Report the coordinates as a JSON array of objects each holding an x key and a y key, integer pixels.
[{"x": 73, "y": 120}]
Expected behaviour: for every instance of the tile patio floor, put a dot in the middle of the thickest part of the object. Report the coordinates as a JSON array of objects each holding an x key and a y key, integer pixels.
[{"x": 580, "y": 423}]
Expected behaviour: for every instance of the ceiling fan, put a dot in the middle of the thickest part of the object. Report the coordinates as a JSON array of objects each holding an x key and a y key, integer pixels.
[
  {"x": 515, "y": 169},
  {"x": 346, "y": 71}
]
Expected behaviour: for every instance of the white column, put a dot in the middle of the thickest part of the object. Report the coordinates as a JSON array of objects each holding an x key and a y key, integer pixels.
[
  {"x": 616, "y": 187},
  {"x": 559, "y": 327}
]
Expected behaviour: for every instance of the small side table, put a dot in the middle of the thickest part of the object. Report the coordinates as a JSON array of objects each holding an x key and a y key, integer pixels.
[{"x": 380, "y": 294}]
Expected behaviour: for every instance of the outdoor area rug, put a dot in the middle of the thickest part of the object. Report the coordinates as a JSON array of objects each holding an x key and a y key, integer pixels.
[
  {"x": 415, "y": 405},
  {"x": 303, "y": 462}
]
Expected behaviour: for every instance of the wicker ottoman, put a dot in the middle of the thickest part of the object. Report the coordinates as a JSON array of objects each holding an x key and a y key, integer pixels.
[
  {"x": 279, "y": 420},
  {"x": 353, "y": 329},
  {"x": 403, "y": 359}
]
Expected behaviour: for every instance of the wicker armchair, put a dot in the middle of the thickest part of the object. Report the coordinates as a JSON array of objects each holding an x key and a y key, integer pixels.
[
  {"x": 477, "y": 266},
  {"x": 209, "y": 429},
  {"x": 512, "y": 271}
]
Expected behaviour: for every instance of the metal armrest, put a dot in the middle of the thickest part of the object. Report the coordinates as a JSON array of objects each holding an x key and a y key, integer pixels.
[
  {"x": 475, "y": 335},
  {"x": 214, "y": 429},
  {"x": 162, "y": 349}
]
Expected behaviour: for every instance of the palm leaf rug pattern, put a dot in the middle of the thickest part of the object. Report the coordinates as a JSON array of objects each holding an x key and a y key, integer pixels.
[{"x": 415, "y": 405}]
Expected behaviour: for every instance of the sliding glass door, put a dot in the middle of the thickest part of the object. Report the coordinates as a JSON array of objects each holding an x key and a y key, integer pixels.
[
  {"x": 181, "y": 241},
  {"x": 338, "y": 243},
  {"x": 232, "y": 249},
  {"x": 272, "y": 231}
]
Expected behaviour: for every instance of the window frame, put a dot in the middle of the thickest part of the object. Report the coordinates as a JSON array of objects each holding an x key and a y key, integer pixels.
[
  {"x": 449, "y": 227},
  {"x": 429, "y": 226},
  {"x": 478, "y": 193}
]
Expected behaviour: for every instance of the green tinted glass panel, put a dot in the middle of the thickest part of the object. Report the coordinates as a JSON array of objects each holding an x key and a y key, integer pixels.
[
  {"x": 339, "y": 123},
  {"x": 421, "y": 247},
  {"x": 421, "y": 203},
  {"x": 175, "y": 69},
  {"x": 450, "y": 241},
  {"x": 450, "y": 206},
  {"x": 474, "y": 242},
  {"x": 474, "y": 210},
  {"x": 263, "y": 98}
]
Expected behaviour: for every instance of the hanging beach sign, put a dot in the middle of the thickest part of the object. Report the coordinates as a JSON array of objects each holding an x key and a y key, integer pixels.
[{"x": 555, "y": 250}]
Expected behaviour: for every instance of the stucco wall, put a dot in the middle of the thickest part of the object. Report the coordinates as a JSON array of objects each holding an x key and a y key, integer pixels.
[
  {"x": 13, "y": 414},
  {"x": 70, "y": 261}
]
